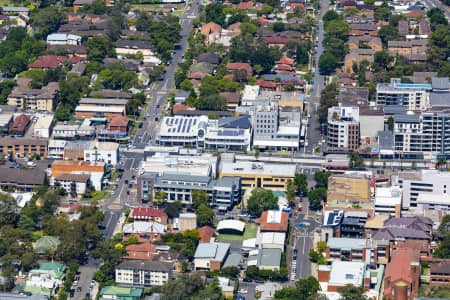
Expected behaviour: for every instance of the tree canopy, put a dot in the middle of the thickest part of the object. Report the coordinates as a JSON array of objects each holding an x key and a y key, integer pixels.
[{"x": 261, "y": 200}]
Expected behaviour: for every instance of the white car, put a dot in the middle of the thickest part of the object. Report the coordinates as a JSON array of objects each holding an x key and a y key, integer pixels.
[{"x": 242, "y": 291}]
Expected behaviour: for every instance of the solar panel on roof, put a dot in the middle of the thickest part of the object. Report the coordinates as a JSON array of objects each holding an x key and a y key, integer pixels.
[
  {"x": 184, "y": 125},
  {"x": 189, "y": 125},
  {"x": 179, "y": 126}
]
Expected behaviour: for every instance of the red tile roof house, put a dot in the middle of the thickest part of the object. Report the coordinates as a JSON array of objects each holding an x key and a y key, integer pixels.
[
  {"x": 273, "y": 220},
  {"x": 266, "y": 85},
  {"x": 240, "y": 66},
  {"x": 246, "y": 5},
  {"x": 402, "y": 275},
  {"x": 206, "y": 233},
  {"x": 279, "y": 41},
  {"x": 286, "y": 61},
  {"x": 20, "y": 125},
  {"x": 119, "y": 124},
  {"x": 52, "y": 61},
  {"x": 149, "y": 214},
  {"x": 144, "y": 251}
]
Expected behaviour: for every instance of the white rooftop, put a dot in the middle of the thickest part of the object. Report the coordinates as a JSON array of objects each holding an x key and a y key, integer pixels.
[
  {"x": 388, "y": 196},
  {"x": 252, "y": 168},
  {"x": 88, "y": 108},
  {"x": 346, "y": 272},
  {"x": 182, "y": 126},
  {"x": 274, "y": 217},
  {"x": 44, "y": 121},
  {"x": 437, "y": 199}
]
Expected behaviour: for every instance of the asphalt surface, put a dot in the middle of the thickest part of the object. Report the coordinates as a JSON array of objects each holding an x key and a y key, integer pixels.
[
  {"x": 120, "y": 199},
  {"x": 313, "y": 131}
]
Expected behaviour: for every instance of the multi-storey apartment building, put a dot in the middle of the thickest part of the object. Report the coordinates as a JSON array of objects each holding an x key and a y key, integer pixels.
[
  {"x": 411, "y": 96},
  {"x": 137, "y": 273},
  {"x": 22, "y": 147},
  {"x": 343, "y": 132},
  {"x": 43, "y": 99}
]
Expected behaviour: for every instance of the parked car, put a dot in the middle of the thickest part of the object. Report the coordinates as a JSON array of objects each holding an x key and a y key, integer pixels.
[{"x": 79, "y": 289}]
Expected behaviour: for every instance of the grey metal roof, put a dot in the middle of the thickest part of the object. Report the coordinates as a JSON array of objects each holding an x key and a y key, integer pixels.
[
  {"x": 103, "y": 101},
  {"x": 440, "y": 99},
  {"x": 233, "y": 260},
  {"x": 214, "y": 251},
  {"x": 394, "y": 110},
  {"x": 346, "y": 243},
  {"x": 269, "y": 257},
  {"x": 440, "y": 83},
  {"x": 242, "y": 122},
  {"x": 146, "y": 265},
  {"x": 227, "y": 181},
  {"x": 386, "y": 140},
  {"x": 406, "y": 118},
  {"x": 356, "y": 214}
]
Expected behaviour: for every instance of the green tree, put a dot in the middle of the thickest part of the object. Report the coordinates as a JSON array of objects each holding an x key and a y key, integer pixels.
[
  {"x": 351, "y": 292},
  {"x": 8, "y": 210},
  {"x": 390, "y": 123},
  {"x": 301, "y": 181},
  {"x": 97, "y": 48},
  {"x": 278, "y": 27},
  {"x": 330, "y": 16},
  {"x": 12, "y": 65},
  {"x": 205, "y": 216},
  {"x": 328, "y": 98},
  {"x": 327, "y": 63},
  {"x": 381, "y": 60},
  {"x": 302, "y": 55},
  {"x": 388, "y": 33},
  {"x": 338, "y": 29},
  {"x": 356, "y": 161},
  {"x": 382, "y": 13},
  {"x": 436, "y": 17},
  {"x": 214, "y": 13},
  {"x": 261, "y": 200},
  {"x": 321, "y": 179},
  {"x": 173, "y": 209},
  {"x": 291, "y": 190},
  {"x": 199, "y": 197},
  {"x": 248, "y": 28},
  {"x": 160, "y": 197},
  {"x": 48, "y": 20},
  {"x": 304, "y": 289},
  {"x": 316, "y": 197}
]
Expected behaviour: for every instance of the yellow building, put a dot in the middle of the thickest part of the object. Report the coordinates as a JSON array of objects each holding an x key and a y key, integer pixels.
[
  {"x": 26, "y": 98},
  {"x": 259, "y": 175}
]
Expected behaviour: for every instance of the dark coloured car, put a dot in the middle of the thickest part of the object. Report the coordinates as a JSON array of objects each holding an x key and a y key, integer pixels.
[
  {"x": 79, "y": 289},
  {"x": 247, "y": 280},
  {"x": 72, "y": 293},
  {"x": 259, "y": 281}
]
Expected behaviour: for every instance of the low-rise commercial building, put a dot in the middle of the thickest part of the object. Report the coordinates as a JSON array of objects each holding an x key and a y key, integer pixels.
[
  {"x": 73, "y": 184},
  {"x": 95, "y": 170},
  {"x": 100, "y": 113},
  {"x": 223, "y": 192},
  {"x": 258, "y": 175},
  {"x": 43, "y": 127},
  {"x": 388, "y": 200},
  {"x": 440, "y": 273},
  {"x": 107, "y": 152}
]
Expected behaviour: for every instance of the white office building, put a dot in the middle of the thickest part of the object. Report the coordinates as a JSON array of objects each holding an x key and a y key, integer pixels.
[
  {"x": 143, "y": 273},
  {"x": 387, "y": 200},
  {"x": 422, "y": 183},
  {"x": 411, "y": 96},
  {"x": 102, "y": 151}
]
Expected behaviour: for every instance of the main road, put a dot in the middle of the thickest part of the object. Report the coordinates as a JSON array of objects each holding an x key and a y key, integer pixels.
[
  {"x": 313, "y": 135},
  {"x": 120, "y": 198}
]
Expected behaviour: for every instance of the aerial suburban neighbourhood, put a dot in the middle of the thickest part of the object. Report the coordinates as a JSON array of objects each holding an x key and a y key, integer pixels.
[{"x": 224, "y": 149}]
